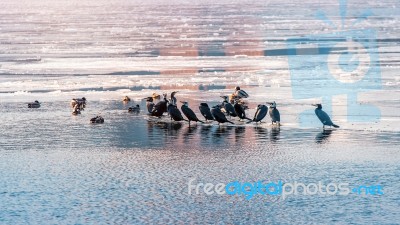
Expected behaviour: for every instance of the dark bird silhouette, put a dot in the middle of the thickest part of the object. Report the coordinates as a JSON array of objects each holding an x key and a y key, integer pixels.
[
  {"x": 229, "y": 109},
  {"x": 97, "y": 119},
  {"x": 160, "y": 108},
  {"x": 260, "y": 113},
  {"x": 274, "y": 113},
  {"x": 240, "y": 112},
  {"x": 189, "y": 113},
  {"x": 176, "y": 114},
  {"x": 149, "y": 104},
  {"x": 135, "y": 109},
  {"x": 218, "y": 115},
  {"x": 205, "y": 111},
  {"x": 323, "y": 117}
]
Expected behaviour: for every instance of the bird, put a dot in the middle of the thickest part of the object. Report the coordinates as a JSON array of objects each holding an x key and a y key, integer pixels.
[
  {"x": 274, "y": 113},
  {"x": 81, "y": 102},
  {"x": 35, "y": 104},
  {"x": 176, "y": 114},
  {"x": 240, "y": 112},
  {"x": 260, "y": 114},
  {"x": 323, "y": 117},
  {"x": 189, "y": 113},
  {"x": 229, "y": 109},
  {"x": 76, "y": 110},
  {"x": 205, "y": 111},
  {"x": 172, "y": 103},
  {"x": 97, "y": 119},
  {"x": 173, "y": 99},
  {"x": 218, "y": 115},
  {"x": 134, "y": 109},
  {"x": 126, "y": 99},
  {"x": 161, "y": 107},
  {"x": 149, "y": 104}
]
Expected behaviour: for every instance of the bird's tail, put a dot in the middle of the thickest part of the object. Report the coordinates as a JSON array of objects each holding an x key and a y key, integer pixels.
[
  {"x": 201, "y": 121},
  {"x": 230, "y": 122},
  {"x": 335, "y": 126},
  {"x": 247, "y": 118}
]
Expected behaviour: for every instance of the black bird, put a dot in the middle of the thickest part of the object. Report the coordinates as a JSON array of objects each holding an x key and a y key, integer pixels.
[
  {"x": 260, "y": 113},
  {"x": 323, "y": 117},
  {"x": 240, "y": 112},
  {"x": 173, "y": 99},
  {"x": 189, "y": 113},
  {"x": 97, "y": 119},
  {"x": 274, "y": 113},
  {"x": 218, "y": 115},
  {"x": 35, "y": 104},
  {"x": 135, "y": 109},
  {"x": 230, "y": 110},
  {"x": 149, "y": 104},
  {"x": 205, "y": 111},
  {"x": 175, "y": 113},
  {"x": 161, "y": 107}
]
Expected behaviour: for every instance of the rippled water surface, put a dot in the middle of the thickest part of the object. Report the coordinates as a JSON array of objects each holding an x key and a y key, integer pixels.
[{"x": 56, "y": 168}]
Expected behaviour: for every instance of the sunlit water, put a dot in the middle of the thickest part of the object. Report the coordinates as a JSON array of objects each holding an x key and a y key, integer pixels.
[{"x": 58, "y": 168}]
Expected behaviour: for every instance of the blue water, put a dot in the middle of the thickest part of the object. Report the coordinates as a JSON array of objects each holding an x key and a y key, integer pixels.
[
  {"x": 56, "y": 168},
  {"x": 59, "y": 168}
]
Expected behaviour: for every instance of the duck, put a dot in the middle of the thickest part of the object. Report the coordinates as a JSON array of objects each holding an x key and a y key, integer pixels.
[
  {"x": 135, "y": 109},
  {"x": 97, "y": 119},
  {"x": 126, "y": 99},
  {"x": 35, "y": 104}
]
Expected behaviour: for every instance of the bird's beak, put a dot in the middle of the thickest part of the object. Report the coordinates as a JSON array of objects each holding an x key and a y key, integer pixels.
[
  {"x": 269, "y": 103},
  {"x": 314, "y": 104}
]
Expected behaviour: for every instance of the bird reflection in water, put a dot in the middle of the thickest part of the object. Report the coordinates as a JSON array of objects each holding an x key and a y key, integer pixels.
[
  {"x": 260, "y": 132},
  {"x": 323, "y": 136},
  {"x": 275, "y": 134},
  {"x": 239, "y": 133}
]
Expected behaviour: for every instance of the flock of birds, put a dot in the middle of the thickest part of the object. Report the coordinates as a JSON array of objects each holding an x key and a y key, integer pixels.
[{"x": 231, "y": 106}]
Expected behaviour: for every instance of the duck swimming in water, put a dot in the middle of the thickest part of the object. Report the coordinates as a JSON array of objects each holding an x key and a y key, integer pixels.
[
  {"x": 135, "y": 109},
  {"x": 97, "y": 119},
  {"x": 126, "y": 99},
  {"x": 161, "y": 107},
  {"x": 76, "y": 110},
  {"x": 81, "y": 102},
  {"x": 35, "y": 104}
]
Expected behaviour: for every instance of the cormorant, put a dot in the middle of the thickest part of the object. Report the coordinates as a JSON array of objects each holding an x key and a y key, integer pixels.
[
  {"x": 274, "y": 113},
  {"x": 189, "y": 113},
  {"x": 205, "y": 111},
  {"x": 160, "y": 107},
  {"x": 230, "y": 110},
  {"x": 175, "y": 113},
  {"x": 260, "y": 114},
  {"x": 323, "y": 117},
  {"x": 240, "y": 112},
  {"x": 149, "y": 104},
  {"x": 218, "y": 115}
]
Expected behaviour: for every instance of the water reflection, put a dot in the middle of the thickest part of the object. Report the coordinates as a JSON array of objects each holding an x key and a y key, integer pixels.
[
  {"x": 323, "y": 136},
  {"x": 275, "y": 134}
]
